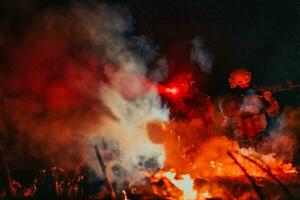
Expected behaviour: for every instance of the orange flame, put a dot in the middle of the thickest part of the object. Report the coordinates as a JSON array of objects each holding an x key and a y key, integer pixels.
[{"x": 185, "y": 183}]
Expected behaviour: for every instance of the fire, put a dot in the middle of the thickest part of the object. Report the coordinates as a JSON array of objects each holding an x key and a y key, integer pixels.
[
  {"x": 206, "y": 156},
  {"x": 185, "y": 183},
  {"x": 182, "y": 182},
  {"x": 195, "y": 175}
]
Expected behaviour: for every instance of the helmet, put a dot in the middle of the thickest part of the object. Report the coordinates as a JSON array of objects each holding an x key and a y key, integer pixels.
[{"x": 240, "y": 78}]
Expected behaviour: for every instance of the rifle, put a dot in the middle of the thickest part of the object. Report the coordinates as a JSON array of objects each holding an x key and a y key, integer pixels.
[{"x": 289, "y": 85}]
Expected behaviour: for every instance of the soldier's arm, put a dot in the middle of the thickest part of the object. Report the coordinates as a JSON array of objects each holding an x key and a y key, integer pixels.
[{"x": 272, "y": 107}]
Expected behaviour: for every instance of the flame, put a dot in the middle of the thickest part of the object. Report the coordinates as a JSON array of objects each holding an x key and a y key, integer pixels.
[
  {"x": 211, "y": 162},
  {"x": 201, "y": 155},
  {"x": 199, "y": 159},
  {"x": 185, "y": 183},
  {"x": 204, "y": 195},
  {"x": 125, "y": 195}
]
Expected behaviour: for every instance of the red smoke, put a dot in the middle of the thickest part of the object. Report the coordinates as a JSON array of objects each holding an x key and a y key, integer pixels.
[{"x": 50, "y": 92}]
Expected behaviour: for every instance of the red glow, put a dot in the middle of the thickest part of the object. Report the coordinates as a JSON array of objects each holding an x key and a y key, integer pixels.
[
  {"x": 167, "y": 90},
  {"x": 177, "y": 87},
  {"x": 172, "y": 90}
]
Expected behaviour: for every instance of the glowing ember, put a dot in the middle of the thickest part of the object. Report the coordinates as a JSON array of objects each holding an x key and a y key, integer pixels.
[
  {"x": 125, "y": 195},
  {"x": 204, "y": 195},
  {"x": 210, "y": 162}
]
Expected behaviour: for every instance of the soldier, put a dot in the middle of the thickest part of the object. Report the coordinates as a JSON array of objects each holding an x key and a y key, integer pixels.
[
  {"x": 191, "y": 121},
  {"x": 246, "y": 112},
  {"x": 185, "y": 99}
]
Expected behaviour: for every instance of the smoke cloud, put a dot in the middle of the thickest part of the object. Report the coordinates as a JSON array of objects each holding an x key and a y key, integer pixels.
[
  {"x": 160, "y": 70},
  {"x": 77, "y": 78},
  {"x": 283, "y": 136},
  {"x": 201, "y": 55}
]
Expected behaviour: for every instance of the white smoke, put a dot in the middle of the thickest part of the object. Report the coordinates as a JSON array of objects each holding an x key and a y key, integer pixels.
[
  {"x": 160, "y": 71},
  {"x": 129, "y": 97},
  {"x": 134, "y": 148},
  {"x": 283, "y": 141},
  {"x": 201, "y": 55}
]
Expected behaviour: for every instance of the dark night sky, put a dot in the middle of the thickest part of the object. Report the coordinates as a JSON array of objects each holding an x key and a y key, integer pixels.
[{"x": 262, "y": 36}]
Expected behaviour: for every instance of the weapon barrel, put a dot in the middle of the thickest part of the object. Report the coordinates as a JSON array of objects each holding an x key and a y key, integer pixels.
[{"x": 279, "y": 88}]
